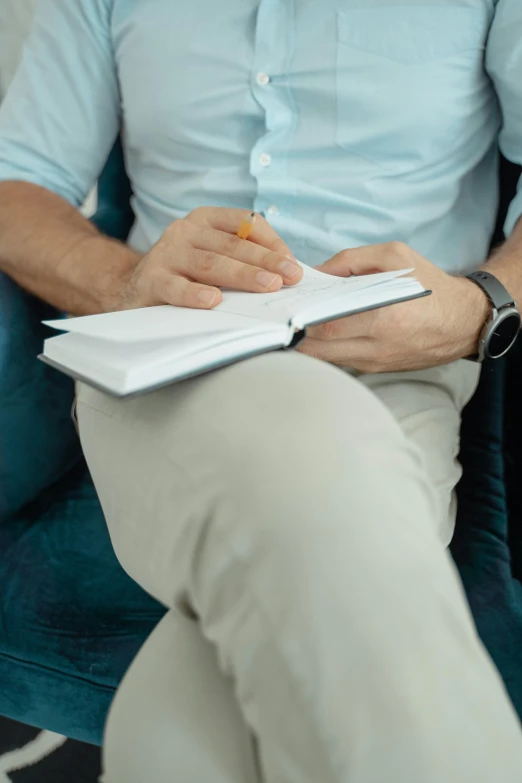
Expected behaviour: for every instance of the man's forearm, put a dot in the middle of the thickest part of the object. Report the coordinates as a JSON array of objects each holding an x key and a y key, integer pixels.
[
  {"x": 506, "y": 264},
  {"x": 55, "y": 253}
]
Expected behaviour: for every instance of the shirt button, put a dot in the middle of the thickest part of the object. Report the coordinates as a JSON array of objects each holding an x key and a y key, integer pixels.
[
  {"x": 262, "y": 79},
  {"x": 265, "y": 160},
  {"x": 273, "y": 210}
]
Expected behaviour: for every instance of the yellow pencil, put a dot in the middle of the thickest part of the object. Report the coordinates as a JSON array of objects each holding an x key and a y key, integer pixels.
[{"x": 247, "y": 226}]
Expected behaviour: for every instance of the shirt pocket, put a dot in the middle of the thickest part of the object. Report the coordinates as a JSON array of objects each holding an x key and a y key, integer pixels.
[{"x": 409, "y": 80}]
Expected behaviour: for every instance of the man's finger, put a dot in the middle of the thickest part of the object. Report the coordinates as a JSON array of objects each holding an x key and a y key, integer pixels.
[
  {"x": 213, "y": 240},
  {"x": 229, "y": 220},
  {"x": 177, "y": 290},
  {"x": 370, "y": 259}
]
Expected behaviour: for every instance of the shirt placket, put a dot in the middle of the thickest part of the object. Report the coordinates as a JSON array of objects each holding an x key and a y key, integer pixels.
[{"x": 274, "y": 48}]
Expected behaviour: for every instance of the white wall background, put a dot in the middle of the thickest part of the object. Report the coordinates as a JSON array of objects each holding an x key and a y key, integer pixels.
[{"x": 15, "y": 23}]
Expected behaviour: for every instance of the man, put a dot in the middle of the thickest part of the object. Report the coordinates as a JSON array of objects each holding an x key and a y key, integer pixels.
[{"x": 293, "y": 510}]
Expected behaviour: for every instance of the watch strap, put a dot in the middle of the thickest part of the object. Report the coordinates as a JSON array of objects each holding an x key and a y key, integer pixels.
[{"x": 493, "y": 288}]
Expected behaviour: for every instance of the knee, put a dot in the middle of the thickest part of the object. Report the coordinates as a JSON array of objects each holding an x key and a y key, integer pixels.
[
  {"x": 291, "y": 401},
  {"x": 175, "y": 710},
  {"x": 303, "y": 426},
  {"x": 314, "y": 460}
]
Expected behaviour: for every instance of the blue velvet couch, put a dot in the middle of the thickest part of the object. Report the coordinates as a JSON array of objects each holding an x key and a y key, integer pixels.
[{"x": 71, "y": 620}]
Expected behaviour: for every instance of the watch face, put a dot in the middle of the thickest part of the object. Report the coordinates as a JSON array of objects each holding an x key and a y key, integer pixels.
[{"x": 503, "y": 334}]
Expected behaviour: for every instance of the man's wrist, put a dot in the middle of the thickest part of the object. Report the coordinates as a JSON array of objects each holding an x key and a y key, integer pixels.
[
  {"x": 475, "y": 308},
  {"x": 120, "y": 265}
]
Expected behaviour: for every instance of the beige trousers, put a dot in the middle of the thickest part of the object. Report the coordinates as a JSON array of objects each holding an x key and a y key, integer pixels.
[{"x": 294, "y": 519}]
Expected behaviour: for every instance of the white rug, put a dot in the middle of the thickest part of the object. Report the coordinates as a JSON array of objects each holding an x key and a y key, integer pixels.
[{"x": 31, "y": 756}]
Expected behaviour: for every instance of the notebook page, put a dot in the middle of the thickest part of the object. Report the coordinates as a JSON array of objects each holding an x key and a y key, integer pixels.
[
  {"x": 283, "y": 305},
  {"x": 369, "y": 298},
  {"x": 151, "y": 324},
  {"x": 128, "y": 368}
]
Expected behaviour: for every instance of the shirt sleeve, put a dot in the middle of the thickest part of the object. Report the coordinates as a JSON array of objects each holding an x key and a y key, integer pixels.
[
  {"x": 61, "y": 114},
  {"x": 504, "y": 65}
]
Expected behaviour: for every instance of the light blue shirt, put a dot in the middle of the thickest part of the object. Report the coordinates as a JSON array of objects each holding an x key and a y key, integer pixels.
[{"x": 347, "y": 122}]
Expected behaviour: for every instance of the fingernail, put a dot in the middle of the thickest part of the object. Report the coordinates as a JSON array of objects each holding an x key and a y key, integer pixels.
[
  {"x": 288, "y": 269},
  {"x": 267, "y": 279},
  {"x": 207, "y": 297}
]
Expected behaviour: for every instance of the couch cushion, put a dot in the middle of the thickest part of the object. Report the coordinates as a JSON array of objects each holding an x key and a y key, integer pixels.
[
  {"x": 71, "y": 620},
  {"x": 481, "y": 545},
  {"x": 38, "y": 442},
  {"x": 114, "y": 215}
]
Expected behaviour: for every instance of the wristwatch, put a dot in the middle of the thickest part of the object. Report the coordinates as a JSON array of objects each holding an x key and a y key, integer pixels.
[{"x": 503, "y": 325}]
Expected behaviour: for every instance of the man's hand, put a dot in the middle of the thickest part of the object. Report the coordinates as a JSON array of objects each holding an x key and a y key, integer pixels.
[
  {"x": 413, "y": 335},
  {"x": 201, "y": 253}
]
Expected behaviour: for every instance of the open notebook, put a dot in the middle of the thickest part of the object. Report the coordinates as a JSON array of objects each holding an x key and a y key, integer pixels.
[{"x": 135, "y": 351}]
